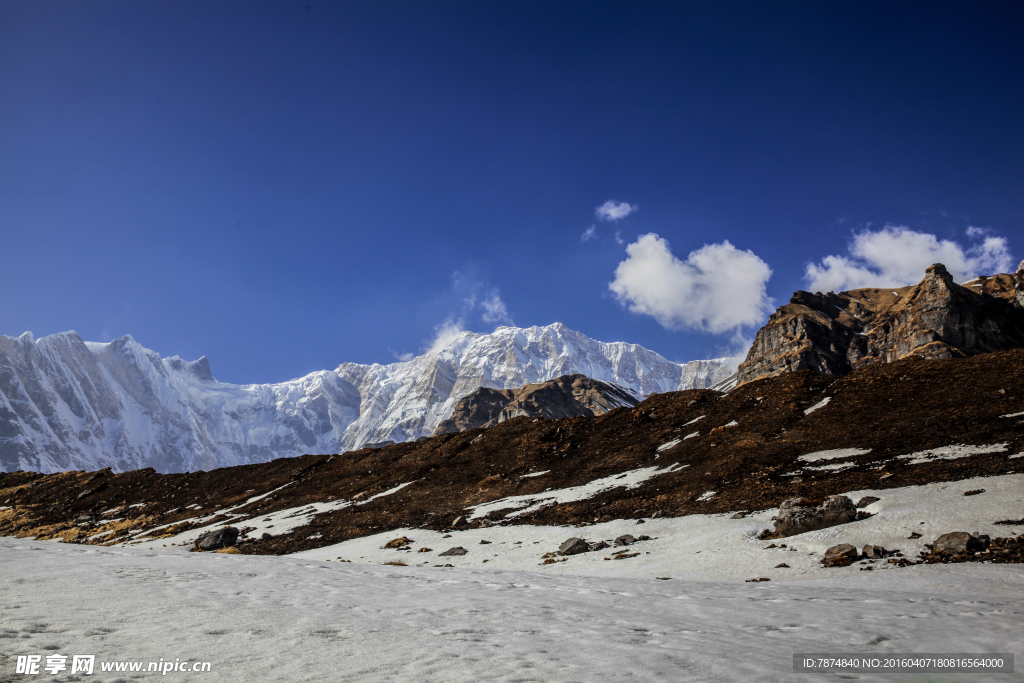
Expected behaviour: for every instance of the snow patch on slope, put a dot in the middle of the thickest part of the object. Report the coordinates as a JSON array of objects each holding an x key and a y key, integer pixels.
[{"x": 532, "y": 502}]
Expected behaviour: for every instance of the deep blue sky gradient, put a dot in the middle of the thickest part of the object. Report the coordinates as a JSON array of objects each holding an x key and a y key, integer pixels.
[{"x": 283, "y": 189}]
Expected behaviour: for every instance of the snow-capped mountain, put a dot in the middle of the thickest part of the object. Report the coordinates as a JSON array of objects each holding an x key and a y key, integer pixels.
[{"x": 69, "y": 404}]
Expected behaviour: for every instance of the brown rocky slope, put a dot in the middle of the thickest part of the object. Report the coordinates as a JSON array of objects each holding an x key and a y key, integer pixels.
[
  {"x": 832, "y": 334},
  {"x": 566, "y": 396},
  {"x": 743, "y": 448}
]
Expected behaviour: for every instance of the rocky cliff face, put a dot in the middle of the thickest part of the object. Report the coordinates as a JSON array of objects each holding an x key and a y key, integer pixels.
[
  {"x": 833, "y": 334},
  {"x": 566, "y": 396}
]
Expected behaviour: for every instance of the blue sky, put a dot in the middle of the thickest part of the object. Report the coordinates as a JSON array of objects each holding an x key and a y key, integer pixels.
[{"x": 284, "y": 186}]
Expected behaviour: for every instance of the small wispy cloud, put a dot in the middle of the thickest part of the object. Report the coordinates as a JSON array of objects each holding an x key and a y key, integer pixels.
[
  {"x": 589, "y": 234},
  {"x": 495, "y": 310},
  {"x": 976, "y": 232},
  {"x": 895, "y": 256},
  {"x": 612, "y": 210},
  {"x": 618, "y": 238}
]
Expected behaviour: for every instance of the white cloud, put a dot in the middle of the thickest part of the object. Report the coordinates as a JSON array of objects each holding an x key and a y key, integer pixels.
[
  {"x": 494, "y": 309},
  {"x": 589, "y": 234},
  {"x": 717, "y": 288},
  {"x": 618, "y": 237},
  {"x": 976, "y": 232},
  {"x": 896, "y": 256},
  {"x": 444, "y": 334},
  {"x": 612, "y": 210}
]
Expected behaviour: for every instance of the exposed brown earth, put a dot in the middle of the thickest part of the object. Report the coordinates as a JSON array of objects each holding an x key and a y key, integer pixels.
[
  {"x": 833, "y": 334},
  {"x": 892, "y": 409},
  {"x": 566, "y": 396}
]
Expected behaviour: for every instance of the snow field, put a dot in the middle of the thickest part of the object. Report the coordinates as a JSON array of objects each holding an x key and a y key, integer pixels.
[{"x": 293, "y": 618}]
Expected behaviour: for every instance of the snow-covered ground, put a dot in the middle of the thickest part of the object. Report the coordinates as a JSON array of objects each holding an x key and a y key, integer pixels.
[
  {"x": 295, "y": 618},
  {"x": 498, "y": 614}
]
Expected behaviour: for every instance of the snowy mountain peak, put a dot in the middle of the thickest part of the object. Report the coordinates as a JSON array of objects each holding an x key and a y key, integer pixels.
[{"x": 70, "y": 404}]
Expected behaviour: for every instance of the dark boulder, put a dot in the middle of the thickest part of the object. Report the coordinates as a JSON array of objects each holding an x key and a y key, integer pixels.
[
  {"x": 219, "y": 538},
  {"x": 840, "y": 555},
  {"x": 574, "y": 546},
  {"x": 960, "y": 542},
  {"x": 451, "y": 552},
  {"x": 799, "y": 515}
]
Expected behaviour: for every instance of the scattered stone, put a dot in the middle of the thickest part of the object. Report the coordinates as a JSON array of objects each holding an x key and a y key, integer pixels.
[
  {"x": 624, "y": 539},
  {"x": 782, "y": 565},
  {"x": 772, "y": 545},
  {"x": 960, "y": 542},
  {"x": 799, "y": 515},
  {"x": 622, "y": 556},
  {"x": 598, "y": 545},
  {"x": 396, "y": 563},
  {"x": 914, "y": 534},
  {"x": 88, "y": 518},
  {"x": 398, "y": 542},
  {"x": 424, "y": 550},
  {"x": 447, "y": 536},
  {"x": 867, "y": 500},
  {"x": 457, "y": 550},
  {"x": 643, "y": 538},
  {"x": 862, "y": 514},
  {"x": 841, "y": 555},
  {"x": 483, "y": 542},
  {"x": 663, "y": 578},
  {"x": 874, "y": 552},
  {"x": 1011, "y": 522},
  {"x": 266, "y": 537},
  {"x": 574, "y": 546},
  {"x": 739, "y": 515},
  {"x": 220, "y": 538},
  {"x": 640, "y": 521},
  {"x": 657, "y": 515},
  {"x": 763, "y": 578},
  {"x": 974, "y": 492}
]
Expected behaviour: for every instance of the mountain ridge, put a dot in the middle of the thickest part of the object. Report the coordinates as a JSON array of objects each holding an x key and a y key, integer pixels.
[{"x": 70, "y": 404}]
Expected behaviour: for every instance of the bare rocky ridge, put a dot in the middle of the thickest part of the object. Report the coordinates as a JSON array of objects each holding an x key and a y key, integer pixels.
[
  {"x": 567, "y": 396},
  {"x": 833, "y": 334},
  {"x": 910, "y": 422}
]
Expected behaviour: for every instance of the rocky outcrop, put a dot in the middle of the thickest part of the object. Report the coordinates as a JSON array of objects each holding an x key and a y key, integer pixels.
[
  {"x": 566, "y": 396},
  {"x": 833, "y": 334}
]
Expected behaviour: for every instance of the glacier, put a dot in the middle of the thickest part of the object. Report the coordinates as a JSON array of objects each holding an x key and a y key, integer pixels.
[{"x": 68, "y": 404}]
